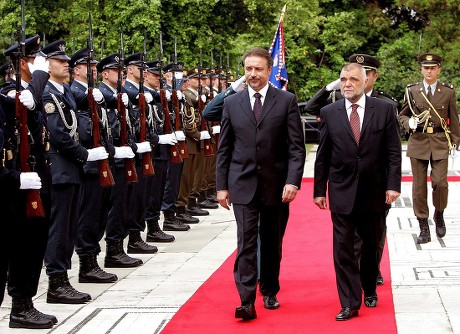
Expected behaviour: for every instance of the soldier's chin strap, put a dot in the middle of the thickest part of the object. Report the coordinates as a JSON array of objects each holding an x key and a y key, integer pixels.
[{"x": 444, "y": 125}]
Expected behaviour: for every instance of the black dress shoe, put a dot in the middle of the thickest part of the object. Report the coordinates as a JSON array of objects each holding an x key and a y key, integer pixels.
[
  {"x": 271, "y": 303},
  {"x": 380, "y": 280},
  {"x": 246, "y": 312},
  {"x": 346, "y": 314},
  {"x": 371, "y": 301}
]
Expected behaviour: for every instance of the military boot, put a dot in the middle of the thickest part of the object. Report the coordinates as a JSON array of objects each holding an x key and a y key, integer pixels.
[
  {"x": 155, "y": 234},
  {"x": 25, "y": 315},
  {"x": 193, "y": 209},
  {"x": 90, "y": 272},
  {"x": 184, "y": 217},
  {"x": 116, "y": 257},
  {"x": 172, "y": 224},
  {"x": 211, "y": 195},
  {"x": 138, "y": 246},
  {"x": 60, "y": 291},
  {"x": 440, "y": 225},
  {"x": 424, "y": 236},
  {"x": 204, "y": 203}
]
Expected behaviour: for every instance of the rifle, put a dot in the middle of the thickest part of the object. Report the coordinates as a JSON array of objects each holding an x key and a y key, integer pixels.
[
  {"x": 34, "y": 206},
  {"x": 208, "y": 151},
  {"x": 130, "y": 168},
  {"x": 105, "y": 174},
  {"x": 211, "y": 94},
  {"x": 176, "y": 104},
  {"x": 147, "y": 163},
  {"x": 176, "y": 157},
  {"x": 227, "y": 71}
]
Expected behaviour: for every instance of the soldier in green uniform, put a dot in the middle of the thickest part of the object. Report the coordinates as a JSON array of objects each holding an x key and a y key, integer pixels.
[{"x": 429, "y": 114}]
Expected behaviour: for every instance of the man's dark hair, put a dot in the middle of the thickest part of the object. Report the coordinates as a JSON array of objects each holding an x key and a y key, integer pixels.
[{"x": 258, "y": 52}]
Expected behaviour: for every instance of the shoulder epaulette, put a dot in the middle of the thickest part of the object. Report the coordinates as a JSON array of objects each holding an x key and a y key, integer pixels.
[
  {"x": 447, "y": 85},
  {"x": 387, "y": 95},
  {"x": 412, "y": 84}
]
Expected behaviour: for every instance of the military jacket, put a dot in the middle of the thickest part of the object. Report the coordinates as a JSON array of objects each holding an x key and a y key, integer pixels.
[
  {"x": 67, "y": 155},
  {"x": 423, "y": 145},
  {"x": 192, "y": 121}
]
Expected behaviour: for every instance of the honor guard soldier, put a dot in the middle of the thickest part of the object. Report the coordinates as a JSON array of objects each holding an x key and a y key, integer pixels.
[
  {"x": 95, "y": 200},
  {"x": 117, "y": 227},
  {"x": 67, "y": 157},
  {"x": 429, "y": 114},
  {"x": 135, "y": 72},
  {"x": 25, "y": 236},
  {"x": 193, "y": 166},
  {"x": 162, "y": 155},
  {"x": 175, "y": 218}
]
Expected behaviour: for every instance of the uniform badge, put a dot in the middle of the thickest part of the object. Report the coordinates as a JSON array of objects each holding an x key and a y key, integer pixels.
[
  {"x": 359, "y": 59},
  {"x": 50, "y": 108}
]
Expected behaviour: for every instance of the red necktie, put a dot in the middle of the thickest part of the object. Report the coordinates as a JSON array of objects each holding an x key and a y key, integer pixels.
[
  {"x": 257, "y": 106},
  {"x": 354, "y": 122}
]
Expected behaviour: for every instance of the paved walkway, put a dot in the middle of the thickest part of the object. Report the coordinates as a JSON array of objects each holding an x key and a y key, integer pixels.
[{"x": 425, "y": 278}]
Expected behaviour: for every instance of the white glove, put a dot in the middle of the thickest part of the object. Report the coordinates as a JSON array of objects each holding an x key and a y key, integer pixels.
[
  {"x": 334, "y": 85},
  {"x": 203, "y": 98},
  {"x": 27, "y": 99},
  {"x": 98, "y": 153},
  {"x": 148, "y": 97},
  {"x": 125, "y": 99},
  {"x": 123, "y": 152},
  {"x": 30, "y": 180},
  {"x": 97, "y": 95},
  {"x": 169, "y": 139},
  {"x": 179, "y": 94},
  {"x": 237, "y": 84},
  {"x": 40, "y": 63},
  {"x": 215, "y": 129},
  {"x": 204, "y": 135},
  {"x": 143, "y": 147},
  {"x": 180, "y": 135},
  {"x": 168, "y": 95}
]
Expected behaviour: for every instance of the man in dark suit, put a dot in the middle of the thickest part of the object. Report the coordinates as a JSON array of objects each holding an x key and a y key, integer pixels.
[
  {"x": 359, "y": 159},
  {"x": 259, "y": 168}
]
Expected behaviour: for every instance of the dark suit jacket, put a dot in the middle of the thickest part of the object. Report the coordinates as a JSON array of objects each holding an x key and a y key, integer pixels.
[
  {"x": 262, "y": 155},
  {"x": 358, "y": 174}
]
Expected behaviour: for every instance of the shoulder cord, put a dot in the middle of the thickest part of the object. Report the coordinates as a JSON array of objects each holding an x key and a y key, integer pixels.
[
  {"x": 423, "y": 117},
  {"x": 443, "y": 122},
  {"x": 72, "y": 127}
]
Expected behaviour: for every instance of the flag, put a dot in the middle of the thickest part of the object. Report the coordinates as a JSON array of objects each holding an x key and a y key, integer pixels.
[{"x": 279, "y": 76}]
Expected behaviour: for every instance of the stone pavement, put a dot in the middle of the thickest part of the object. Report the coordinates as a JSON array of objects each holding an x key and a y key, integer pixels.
[{"x": 425, "y": 278}]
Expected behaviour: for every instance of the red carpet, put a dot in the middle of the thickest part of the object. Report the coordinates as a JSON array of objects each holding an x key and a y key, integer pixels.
[{"x": 308, "y": 296}]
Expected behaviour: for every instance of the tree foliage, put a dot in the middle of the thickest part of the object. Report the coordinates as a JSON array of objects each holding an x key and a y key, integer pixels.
[{"x": 320, "y": 35}]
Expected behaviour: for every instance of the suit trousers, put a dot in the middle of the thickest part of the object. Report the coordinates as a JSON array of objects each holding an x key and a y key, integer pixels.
[
  {"x": 351, "y": 277},
  {"x": 65, "y": 202},
  {"x": 94, "y": 208},
  {"x": 119, "y": 212},
  {"x": 273, "y": 221},
  {"x": 439, "y": 185}
]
